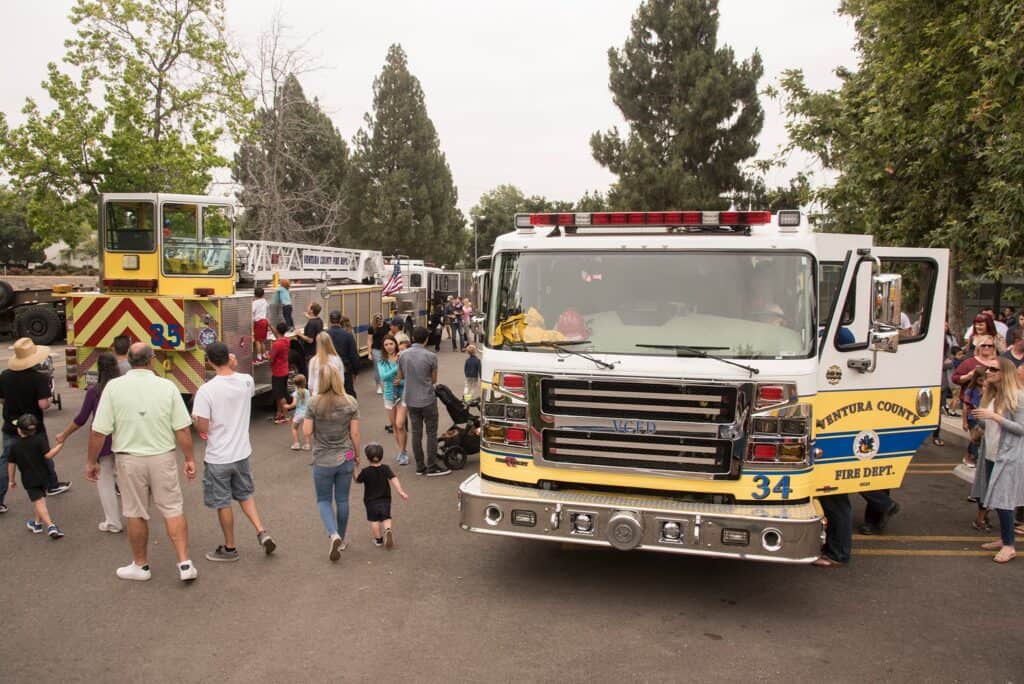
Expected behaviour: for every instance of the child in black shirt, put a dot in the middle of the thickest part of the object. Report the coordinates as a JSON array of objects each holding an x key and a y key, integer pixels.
[
  {"x": 377, "y": 480},
  {"x": 30, "y": 454}
]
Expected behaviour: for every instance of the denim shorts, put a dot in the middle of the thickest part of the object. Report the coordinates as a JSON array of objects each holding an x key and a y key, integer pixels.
[{"x": 223, "y": 482}]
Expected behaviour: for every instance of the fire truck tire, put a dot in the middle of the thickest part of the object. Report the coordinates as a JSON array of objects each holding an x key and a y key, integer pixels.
[
  {"x": 40, "y": 323},
  {"x": 6, "y": 295},
  {"x": 455, "y": 458}
]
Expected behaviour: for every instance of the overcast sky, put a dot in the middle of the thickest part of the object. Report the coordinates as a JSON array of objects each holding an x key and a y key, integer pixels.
[{"x": 515, "y": 88}]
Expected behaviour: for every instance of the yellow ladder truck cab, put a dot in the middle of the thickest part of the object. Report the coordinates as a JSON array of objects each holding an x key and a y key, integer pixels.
[
  {"x": 692, "y": 382},
  {"x": 168, "y": 274}
]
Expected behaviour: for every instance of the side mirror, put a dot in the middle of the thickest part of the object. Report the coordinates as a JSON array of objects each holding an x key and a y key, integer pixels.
[
  {"x": 885, "y": 314},
  {"x": 885, "y": 340}
]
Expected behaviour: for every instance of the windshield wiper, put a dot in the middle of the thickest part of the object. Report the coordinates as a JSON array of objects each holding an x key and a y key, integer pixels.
[
  {"x": 699, "y": 352},
  {"x": 560, "y": 346}
]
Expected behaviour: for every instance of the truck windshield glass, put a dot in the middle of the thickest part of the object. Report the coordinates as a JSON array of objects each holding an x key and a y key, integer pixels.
[
  {"x": 129, "y": 227},
  {"x": 743, "y": 305}
]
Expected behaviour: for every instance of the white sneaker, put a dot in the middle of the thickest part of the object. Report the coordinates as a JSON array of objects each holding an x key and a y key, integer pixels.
[
  {"x": 109, "y": 527},
  {"x": 187, "y": 571},
  {"x": 336, "y": 546},
  {"x": 380, "y": 390},
  {"x": 134, "y": 572}
]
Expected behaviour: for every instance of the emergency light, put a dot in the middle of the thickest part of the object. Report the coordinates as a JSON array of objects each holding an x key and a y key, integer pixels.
[{"x": 629, "y": 219}]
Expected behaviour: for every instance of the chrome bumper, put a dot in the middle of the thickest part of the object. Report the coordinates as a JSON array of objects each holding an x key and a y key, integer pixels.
[{"x": 791, "y": 533}]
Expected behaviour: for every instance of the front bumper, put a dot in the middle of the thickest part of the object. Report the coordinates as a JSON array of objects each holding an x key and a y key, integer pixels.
[{"x": 788, "y": 533}]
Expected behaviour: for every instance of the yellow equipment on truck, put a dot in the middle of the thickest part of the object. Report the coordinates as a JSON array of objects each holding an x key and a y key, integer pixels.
[
  {"x": 693, "y": 382},
  {"x": 168, "y": 272}
]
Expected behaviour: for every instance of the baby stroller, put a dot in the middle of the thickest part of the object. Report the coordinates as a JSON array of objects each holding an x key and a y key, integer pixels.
[{"x": 463, "y": 437}]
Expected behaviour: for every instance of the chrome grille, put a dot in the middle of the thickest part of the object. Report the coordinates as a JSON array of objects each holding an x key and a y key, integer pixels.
[
  {"x": 653, "y": 452},
  {"x": 654, "y": 400}
]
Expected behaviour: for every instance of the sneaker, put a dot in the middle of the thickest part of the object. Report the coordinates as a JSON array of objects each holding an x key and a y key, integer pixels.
[
  {"x": 307, "y": 447},
  {"x": 54, "y": 532},
  {"x": 421, "y": 471},
  {"x": 403, "y": 458},
  {"x": 380, "y": 390},
  {"x": 109, "y": 527},
  {"x": 3, "y": 508},
  {"x": 335, "y": 554},
  {"x": 389, "y": 539},
  {"x": 187, "y": 571},
  {"x": 390, "y": 429},
  {"x": 295, "y": 447},
  {"x": 438, "y": 471},
  {"x": 378, "y": 542},
  {"x": 221, "y": 555},
  {"x": 59, "y": 489},
  {"x": 35, "y": 527},
  {"x": 134, "y": 572},
  {"x": 266, "y": 541}
]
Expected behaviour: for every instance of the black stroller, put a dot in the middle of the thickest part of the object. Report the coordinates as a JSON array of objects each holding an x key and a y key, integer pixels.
[{"x": 463, "y": 438}]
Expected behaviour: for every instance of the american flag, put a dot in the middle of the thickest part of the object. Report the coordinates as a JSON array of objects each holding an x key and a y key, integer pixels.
[{"x": 394, "y": 283}]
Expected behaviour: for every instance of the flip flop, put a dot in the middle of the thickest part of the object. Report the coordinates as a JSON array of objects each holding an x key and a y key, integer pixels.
[{"x": 826, "y": 562}]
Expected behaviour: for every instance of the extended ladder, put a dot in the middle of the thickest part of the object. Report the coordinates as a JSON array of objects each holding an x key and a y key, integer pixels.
[{"x": 258, "y": 260}]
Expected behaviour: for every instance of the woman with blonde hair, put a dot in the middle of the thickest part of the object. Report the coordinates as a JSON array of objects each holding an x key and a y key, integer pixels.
[
  {"x": 332, "y": 423},
  {"x": 325, "y": 356},
  {"x": 1000, "y": 483}
]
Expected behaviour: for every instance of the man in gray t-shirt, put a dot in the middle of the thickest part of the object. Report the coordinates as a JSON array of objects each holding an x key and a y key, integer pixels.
[{"x": 417, "y": 366}]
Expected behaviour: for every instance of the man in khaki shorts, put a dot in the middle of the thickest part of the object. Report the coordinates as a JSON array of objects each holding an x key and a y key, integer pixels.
[{"x": 146, "y": 416}]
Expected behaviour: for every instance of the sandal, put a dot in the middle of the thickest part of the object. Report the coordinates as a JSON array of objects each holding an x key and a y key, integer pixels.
[
  {"x": 938, "y": 441},
  {"x": 1005, "y": 555},
  {"x": 1018, "y": 529},
  {"x": 992, "y": 545},
  {"x": 826, "y": 562},
  {"x": 982, "y": 526}
]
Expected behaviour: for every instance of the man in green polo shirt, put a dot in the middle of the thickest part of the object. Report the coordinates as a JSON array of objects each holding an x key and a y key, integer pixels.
[{"x": 146, "y": 416}]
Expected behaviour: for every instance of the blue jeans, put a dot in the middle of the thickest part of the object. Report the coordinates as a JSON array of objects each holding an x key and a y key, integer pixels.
[
  {"x": 1005, "y": 526},
  {"x": 8, "y": 442},
  {"x": 333, "y": 483},
  {"x": 376, "y": 355}
]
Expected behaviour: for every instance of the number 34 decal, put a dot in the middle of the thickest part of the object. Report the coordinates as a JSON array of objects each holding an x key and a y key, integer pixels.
[
  {"x": 765, "y": 488},
  {"x": 172, "y": 339}
]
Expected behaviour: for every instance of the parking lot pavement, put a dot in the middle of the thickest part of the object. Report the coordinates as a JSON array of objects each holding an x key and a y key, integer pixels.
[{"x": 921, "y": 603}]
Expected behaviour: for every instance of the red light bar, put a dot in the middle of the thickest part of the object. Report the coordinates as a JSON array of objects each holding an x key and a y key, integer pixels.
[{"x": 653, "y": 218}]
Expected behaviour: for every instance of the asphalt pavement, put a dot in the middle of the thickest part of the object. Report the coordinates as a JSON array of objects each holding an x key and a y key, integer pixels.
[{"x": 921, "y": 603}]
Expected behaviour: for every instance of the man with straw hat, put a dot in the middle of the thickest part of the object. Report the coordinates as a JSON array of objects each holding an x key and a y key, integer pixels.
[{"x": 24, "y": 389}]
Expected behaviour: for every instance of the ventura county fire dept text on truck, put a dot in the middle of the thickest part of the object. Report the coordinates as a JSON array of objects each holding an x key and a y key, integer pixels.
[{"x": 693, "y": 382}]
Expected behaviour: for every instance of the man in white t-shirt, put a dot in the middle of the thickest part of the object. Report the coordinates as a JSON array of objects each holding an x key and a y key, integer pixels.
[{"x": 221, "y": 411}]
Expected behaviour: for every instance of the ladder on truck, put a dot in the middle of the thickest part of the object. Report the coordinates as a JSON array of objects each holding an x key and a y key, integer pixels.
[{"x": 259, "y": 260}]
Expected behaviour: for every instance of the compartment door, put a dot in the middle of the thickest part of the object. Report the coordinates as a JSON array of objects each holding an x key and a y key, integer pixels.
[{"x": 873, "y": 410}]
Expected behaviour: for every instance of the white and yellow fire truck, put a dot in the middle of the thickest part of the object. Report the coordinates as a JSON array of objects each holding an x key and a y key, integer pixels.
[
  {"x": 693, "y": 382},
  {"x": 168, "y": 272}
]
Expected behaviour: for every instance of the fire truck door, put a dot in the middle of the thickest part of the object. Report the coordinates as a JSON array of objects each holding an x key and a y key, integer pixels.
[{"x": 874, "y": 409}]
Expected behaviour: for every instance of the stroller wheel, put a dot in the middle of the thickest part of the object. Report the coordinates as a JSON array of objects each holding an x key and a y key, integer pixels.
[{"x": 455, "y": 458}]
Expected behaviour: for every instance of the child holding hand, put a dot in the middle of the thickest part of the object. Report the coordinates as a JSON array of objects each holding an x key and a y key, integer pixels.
[
  {"x": 30, "y": 454},
  {"x": 299, "y": 402},
  {"x": 377, "y": 480}
]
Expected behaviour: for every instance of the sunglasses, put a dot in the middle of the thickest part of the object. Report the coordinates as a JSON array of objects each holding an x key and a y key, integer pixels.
[
  {"x": 994, "y": 370},
  {"x": 986, "y": 345}
]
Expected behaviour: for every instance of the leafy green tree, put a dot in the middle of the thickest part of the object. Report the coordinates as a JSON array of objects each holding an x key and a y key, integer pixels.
[
  {"x": 402, "y": 196},
  {"x": 18, "y": 243},
  {"x": 157, "y": 88},
  {"x": 292, "y": 170},
  {"x": 926, "y": 134},
  {"x": 692, "y": 110}
]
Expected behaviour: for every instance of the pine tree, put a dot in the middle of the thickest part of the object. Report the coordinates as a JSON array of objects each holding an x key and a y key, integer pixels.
[
  {"x": 292, "y": 171},
  {"x": 693, "y": 112},
  {"x": 402, "y": 196}
]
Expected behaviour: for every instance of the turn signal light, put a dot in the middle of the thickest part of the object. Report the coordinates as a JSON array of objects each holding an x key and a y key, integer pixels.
[
  {"x": 763, "y": 452},
  {"x": 515, "y": 436},
  {"x": 513, "y": 381}
]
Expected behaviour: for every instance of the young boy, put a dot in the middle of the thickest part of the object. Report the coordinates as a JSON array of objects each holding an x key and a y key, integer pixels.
[
  {"x": 30, "y": 454},
  {"x": 260, "y": 323},
  {"x": 284, "y": 298},
  {"x": 377, "y": 480},
  {"x": 471, "y": 370},
  {"x": 279, "y": 372}
]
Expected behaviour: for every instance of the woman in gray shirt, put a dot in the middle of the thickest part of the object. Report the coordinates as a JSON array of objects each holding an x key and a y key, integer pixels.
[{"x": 332, "y": 421}]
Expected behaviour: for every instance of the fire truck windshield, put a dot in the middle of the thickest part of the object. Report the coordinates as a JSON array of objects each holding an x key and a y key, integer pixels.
[{"x": 741, "y": 304}]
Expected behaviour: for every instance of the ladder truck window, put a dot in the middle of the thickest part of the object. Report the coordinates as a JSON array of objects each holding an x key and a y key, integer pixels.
[
  {"x": 129, "y": 227},
  {"x": 194, "y": 246},
  {"x": 737, "y": 305}
]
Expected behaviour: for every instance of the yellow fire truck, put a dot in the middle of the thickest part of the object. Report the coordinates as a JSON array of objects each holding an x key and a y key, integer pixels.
[
  {"x": 693, "y": 382},
  {"x": 168, "y": 276}
]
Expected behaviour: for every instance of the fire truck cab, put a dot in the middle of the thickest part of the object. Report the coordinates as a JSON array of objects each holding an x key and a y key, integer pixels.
[{"x": 692, "y": 382}]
